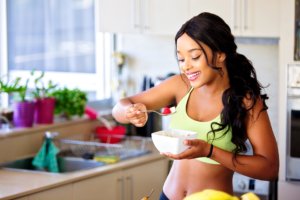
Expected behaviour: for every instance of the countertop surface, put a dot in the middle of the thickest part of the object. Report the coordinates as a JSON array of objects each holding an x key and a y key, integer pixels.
[{"x": 18, "y": 183}]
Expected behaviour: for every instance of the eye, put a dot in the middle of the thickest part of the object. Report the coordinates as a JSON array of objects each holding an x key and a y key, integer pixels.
[
  {"x": 180, "y": 60},
  {"x": 196, "y": 57}
]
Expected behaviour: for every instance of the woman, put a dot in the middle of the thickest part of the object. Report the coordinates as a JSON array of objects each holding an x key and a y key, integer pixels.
[{"x": 218, "y": 95}]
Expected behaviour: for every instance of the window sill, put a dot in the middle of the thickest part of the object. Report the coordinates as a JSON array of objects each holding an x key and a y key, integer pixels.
[{"x": 59, "y": 122}]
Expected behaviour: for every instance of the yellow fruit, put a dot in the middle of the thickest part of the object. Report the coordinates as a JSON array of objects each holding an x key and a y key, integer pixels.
[
  {"x": 209, "y": 194},
  {"x": 249, "y": 196}
]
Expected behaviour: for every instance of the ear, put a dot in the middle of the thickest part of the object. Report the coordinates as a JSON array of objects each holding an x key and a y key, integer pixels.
[{"x": 221, "y": 57}]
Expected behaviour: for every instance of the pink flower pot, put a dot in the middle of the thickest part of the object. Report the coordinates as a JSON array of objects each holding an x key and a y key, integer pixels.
[
  {"x": 23, "y": 114},
  {"x": 44, "y": 111}
]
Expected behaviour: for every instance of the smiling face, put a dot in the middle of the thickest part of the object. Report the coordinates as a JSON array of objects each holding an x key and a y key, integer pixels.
[{"x": 195, "y": 65}]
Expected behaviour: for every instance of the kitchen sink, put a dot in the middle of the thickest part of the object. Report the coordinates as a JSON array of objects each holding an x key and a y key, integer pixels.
[
  {"x": 81, "y": 155},
  {"x": 65, "y": 164}
]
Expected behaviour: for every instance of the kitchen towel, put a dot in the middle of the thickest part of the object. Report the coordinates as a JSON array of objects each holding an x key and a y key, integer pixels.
[{"x": 46, "y": 158}]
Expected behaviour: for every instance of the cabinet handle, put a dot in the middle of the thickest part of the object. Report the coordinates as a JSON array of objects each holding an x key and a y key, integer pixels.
[
  {"x": 246, "y": 14},
  {"x": 121, "y": 181},
  {"x": 135, "y": 14},
  {"x": 130, "y": 180},
  {"x": 234, "y": 14},
  {"x": 146, "y": 14}
]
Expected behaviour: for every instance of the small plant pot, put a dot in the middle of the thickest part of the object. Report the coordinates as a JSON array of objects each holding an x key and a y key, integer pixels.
[
  {"x": 44, "y": 111},
  {"x": 8, "y": 114},
  {"x": 23, "y": 114}
]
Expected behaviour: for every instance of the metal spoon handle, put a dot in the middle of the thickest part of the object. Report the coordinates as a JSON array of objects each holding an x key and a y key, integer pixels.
[{"x": 159, "y": 113}]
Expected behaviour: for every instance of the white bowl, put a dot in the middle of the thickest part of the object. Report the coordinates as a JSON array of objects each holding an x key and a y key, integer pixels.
[{"x": 171, "y": 141}]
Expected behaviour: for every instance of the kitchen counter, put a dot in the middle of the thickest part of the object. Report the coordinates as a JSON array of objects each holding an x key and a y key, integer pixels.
[{"x": 17, "y": 183}]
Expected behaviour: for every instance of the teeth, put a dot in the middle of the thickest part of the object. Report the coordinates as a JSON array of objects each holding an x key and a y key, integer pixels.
[{"x": 192, "y": 76}]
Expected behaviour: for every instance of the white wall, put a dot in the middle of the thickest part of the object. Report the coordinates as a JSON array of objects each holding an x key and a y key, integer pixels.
[
  {"x": 155, "y": 56},
  {"x": 286, "y": 190},
  {"x": 265, "y": 60}
]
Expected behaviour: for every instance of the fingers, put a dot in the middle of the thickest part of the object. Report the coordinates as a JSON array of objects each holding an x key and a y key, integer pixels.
[
  {"x": 195, "y": 150},
  {"x": 194, "y": 142},
  {"x": 135, "y": 116}
]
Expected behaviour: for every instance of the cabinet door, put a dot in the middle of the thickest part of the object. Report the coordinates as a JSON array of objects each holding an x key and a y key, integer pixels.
[
  {"x": 164, "y": 17},
  {"x": 62, "y": 192},
  {"x": 106, "y": 186},
  {"x": 225, "y": 9},
  {"x": 140, "y": 180},
  {"x": 260, "y": 18},
  {"x": 118, "y": 16},
  {"x": 251, "y": 18}
]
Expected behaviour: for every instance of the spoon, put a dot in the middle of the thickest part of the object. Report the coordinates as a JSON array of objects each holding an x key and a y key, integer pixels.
[
  {"x": 173, "y": 110},
  {"x": 148, "y": 196}
]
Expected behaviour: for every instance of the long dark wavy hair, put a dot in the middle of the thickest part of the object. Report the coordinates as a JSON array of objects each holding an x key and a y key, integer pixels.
[{"x": 211, "y": 30}]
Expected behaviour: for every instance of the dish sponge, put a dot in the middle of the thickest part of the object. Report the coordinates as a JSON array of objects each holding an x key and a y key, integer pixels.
[{"x": 46, "y": 158}]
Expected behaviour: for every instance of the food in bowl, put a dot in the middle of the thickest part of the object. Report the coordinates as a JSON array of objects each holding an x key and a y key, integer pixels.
[{"x": 171, "y": 141}]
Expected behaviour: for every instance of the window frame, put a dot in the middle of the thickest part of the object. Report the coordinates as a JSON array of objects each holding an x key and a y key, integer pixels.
[{"x": 101, "y": 77}]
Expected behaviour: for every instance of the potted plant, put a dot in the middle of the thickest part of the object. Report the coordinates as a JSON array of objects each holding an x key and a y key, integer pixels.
[
  {"x": 23, "y": 108},
  {"x": 44, "y": 101},
  {"x": 69, "y": 102},
  {"x": 8, "y": 87}
]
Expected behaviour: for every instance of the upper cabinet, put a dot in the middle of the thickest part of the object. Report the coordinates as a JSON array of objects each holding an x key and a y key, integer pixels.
[
  {"x": 250, "y": 18},
  {"x": 162, "y": 17}
]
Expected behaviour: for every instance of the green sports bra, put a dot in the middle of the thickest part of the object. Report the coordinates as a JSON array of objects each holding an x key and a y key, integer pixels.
[{"x": 181, "y": 120}]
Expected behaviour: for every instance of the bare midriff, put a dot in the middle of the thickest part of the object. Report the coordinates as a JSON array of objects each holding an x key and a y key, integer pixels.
[{"x": 190, "y": 176}]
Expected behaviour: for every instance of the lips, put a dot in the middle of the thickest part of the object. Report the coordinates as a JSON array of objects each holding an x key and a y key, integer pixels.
[{"x": 192, "y": 76}]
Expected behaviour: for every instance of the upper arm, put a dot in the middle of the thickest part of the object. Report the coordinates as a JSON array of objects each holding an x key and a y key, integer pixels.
[
  {"x": 163, "y": 94},
  {"x": 260, "y": 133}
]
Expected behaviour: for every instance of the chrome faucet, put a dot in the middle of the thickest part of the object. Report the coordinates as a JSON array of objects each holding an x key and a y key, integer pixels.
[{"x": 51, "y": 135}]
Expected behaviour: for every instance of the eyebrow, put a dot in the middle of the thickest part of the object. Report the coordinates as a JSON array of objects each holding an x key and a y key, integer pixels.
[{"x": 195, "y": 49}]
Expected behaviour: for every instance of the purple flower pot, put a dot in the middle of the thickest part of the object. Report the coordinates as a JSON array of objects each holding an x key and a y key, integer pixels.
[
  {"x": 44, "y": 111},
  {"x": 23, "y": 114}
]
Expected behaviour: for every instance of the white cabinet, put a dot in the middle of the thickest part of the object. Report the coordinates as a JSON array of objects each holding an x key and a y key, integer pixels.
[
  {"x": 259, "y": 18},
  {"x": 250, "y": 18},
  {"x": 128, "y": 184},
  {"x": 140, "y": 180},
  {"x": 162, "y": 17},
  {"x": 224, "y": 9},
  {"x": 99, "y": 187},
  {"x": 62, "y": 192}
]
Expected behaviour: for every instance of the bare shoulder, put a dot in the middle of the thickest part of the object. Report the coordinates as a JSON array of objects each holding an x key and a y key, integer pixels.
[
  {"x": 255, "y": 107},
  {"x": 178, "y": 85},
  {"x": 166, "y": 93}
]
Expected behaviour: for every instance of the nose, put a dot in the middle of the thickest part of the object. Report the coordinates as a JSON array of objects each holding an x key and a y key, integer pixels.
[{"x": 186, "y": 66}]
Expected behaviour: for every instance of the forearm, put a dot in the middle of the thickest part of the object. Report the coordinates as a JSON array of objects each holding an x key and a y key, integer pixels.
[{"x": 256, "y": 166}]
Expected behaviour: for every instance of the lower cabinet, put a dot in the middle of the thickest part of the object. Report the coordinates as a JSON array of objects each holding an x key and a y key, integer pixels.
[
  {"x": 127, "y": 184},
  {"x": 62, "y": 192},
  {"x": 132, "y": 183},
  {"x": 96, "y": 188},
  {"x": 139, "y": 181}
]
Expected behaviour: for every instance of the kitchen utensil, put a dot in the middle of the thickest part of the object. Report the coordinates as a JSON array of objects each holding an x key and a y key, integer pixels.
[
  {"x": 113, "y": 135},
  {"x": 93, "y": 114},
  {"x": 172, "y": 111},
  {"x": 148, "y": 196}
]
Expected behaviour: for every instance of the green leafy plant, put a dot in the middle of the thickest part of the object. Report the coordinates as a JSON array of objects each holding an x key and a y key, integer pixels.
[
  {"x": 42, "y": 90},
  {"x": 69, "y": 102},
  {"x": 14, "y": 86}
]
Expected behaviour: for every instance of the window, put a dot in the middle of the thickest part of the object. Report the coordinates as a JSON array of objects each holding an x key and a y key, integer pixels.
[{"x": 60, "y": 38}]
